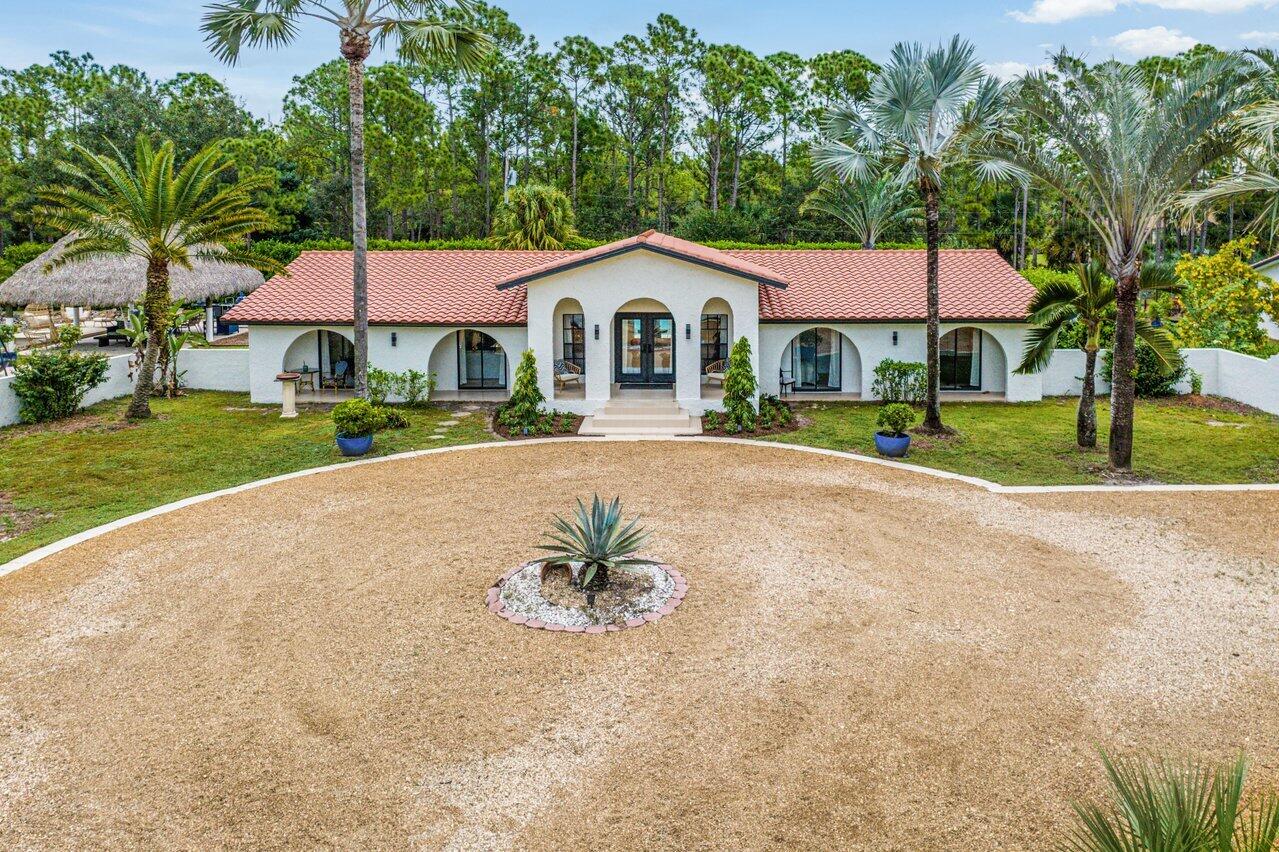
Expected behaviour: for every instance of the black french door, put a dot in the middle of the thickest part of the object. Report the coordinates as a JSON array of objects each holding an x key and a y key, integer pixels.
[{"x": 645, "y": 347}]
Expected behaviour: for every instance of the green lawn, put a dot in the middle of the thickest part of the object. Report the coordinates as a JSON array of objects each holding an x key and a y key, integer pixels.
[
  {"x": 1034, "y": 443},
  {"x": 56, "y": 481},
  {"x": 201, "y": 442}
]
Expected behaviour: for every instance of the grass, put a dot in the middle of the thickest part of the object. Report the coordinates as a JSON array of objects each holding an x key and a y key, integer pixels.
[
  {"x": 59, "y": 480},
  {"x": 94, "y": 469},
  {"x": 1034, "y": 443}
]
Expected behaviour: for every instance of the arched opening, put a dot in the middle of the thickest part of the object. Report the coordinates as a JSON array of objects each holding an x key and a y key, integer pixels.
[
  {"x": 644, "y": 345},
  {"x": 716, "y": 342},
  {"x": 469, "y": 361},
  {"x": 324, "y": 359},
  {"x": 569, "y": 369},
  {"x": 821, "y": 360},
  {"x": 971, "y": 360}
]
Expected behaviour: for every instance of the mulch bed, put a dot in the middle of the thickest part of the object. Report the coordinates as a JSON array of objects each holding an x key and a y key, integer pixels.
[
  {"x": 67, "y": 426},
  {"x": 1210, "y": 403},
  {"x": 503, "y": 432}
]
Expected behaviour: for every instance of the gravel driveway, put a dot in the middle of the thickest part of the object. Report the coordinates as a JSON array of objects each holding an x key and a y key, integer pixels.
[{"x": 868, "y": 658}]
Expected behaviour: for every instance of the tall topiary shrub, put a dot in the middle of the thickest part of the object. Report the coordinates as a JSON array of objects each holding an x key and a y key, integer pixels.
[
  {"x": 52, "y": 384},
  {"x": 739, "y": 388},
  {"x": 524, "y": 409}
]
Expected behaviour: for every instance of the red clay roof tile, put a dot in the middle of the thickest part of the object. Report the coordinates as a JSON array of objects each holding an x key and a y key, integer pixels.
[{"x": 462, "y": 287}]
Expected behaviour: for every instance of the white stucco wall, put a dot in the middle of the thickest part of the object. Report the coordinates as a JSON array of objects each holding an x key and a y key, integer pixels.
[
  {"x": 678, "y": 287},
  {"x": 873, "y": 342}
]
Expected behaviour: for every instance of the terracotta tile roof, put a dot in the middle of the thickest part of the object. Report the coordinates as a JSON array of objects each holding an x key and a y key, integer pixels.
[
  {"x": 890, "y": 285},
  {"x": 462, "y": 287},
  {"x": 662, "y": 243}
]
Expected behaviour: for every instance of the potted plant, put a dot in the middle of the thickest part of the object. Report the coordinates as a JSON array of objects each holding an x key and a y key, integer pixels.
[
  {"x": 355, "y": 421},
  {"x": 894, "y": 419},
  {"x": 593, "y": 543}
]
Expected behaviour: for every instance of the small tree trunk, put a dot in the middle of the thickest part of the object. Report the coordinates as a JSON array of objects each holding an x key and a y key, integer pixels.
[
  {"x": 1086, "y": 423},
  {"x": 155, "y": 308},
  {"x": 574, "y": 164},
  {"x": 932, "y": 416},
  {"x": 355, "y": 49},
  {"x": 1123, "y": 366}
]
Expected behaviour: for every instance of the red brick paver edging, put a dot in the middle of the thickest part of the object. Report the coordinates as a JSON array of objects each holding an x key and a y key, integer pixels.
[{"x": 493, "y": 601}]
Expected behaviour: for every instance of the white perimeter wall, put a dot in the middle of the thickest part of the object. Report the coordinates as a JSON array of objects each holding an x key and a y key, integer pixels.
[{"x": 206, "y": 369}]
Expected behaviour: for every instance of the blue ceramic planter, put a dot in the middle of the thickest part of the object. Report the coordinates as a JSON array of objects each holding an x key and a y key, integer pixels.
[
  {"x": 354, "y": 446},
  {"x": 891, "y": 445}
]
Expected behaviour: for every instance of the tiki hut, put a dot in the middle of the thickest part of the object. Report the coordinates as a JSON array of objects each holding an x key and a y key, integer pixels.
[{"x": 113, "y": 281}]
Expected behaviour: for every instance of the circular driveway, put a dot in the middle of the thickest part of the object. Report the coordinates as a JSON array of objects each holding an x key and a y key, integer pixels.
[{"x": 868, "y": 658}]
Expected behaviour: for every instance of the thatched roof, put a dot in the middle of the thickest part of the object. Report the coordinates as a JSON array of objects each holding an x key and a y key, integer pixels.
[{"x": 117, "y": 280}]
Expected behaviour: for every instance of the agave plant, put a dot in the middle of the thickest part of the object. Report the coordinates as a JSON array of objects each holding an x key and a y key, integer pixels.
[
  {"x": 1161, "y": 806},
  {"x": 597, "y": 540}
]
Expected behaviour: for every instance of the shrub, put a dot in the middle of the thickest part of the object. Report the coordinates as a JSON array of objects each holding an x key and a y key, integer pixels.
[
  {"x": 356, "y": 418},
  {"x": 598, "y": 540},
  {"x": 68, "y": 336},
  {"x": 1153, "y": 379},
  {"x": 1196, "y": 382},
  {"x": 51, "y": 385},
  {"x": 900, "y": 381},
  {"x": 712, "y": 420},
  {"x": 895, "y": 418},
  {"x": 392, "y": 418},
  {"x": 8, "y": 334},
  {"x": 381, "y": 384},
  {"x": 523, "y": 411},
  {"x": 774, "y": 412},
  {"x": 416, "y": 387},
  {"x": 739, "y": 387},
  {"x": 1225, "y": 300}
]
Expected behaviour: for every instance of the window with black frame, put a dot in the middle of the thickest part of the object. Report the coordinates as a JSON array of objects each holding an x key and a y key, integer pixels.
[
  {"x": 481, "y": 363},
  {"x": 575, "y": 340},
  {"x": 960, "y": 359},
  {"x": 714, "y": 338}
]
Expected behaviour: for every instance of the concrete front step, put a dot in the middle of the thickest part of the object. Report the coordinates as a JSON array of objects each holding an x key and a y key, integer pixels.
[
  {"x": 641, "y": 417},
  {"x": 588, "y": 428}
]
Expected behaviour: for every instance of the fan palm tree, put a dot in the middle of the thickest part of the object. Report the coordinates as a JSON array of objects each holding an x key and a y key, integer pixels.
[
  {"x": 534, "y": 218},
  {"x": 928, "y": 112},
  {"x": 1089, "y": 300},
  {"x": 1121, "y": 157},
  {"x": 866, "y": 204},
  {"x": 168, "y": 216},
  {"x": 427, "y": 31},
  {"x": 1160, "y": 806}
]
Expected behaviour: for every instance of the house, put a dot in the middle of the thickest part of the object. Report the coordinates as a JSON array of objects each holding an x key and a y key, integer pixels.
[
  {"x": 642, "y": 316},
  {"x": 1269, "y": 267}
]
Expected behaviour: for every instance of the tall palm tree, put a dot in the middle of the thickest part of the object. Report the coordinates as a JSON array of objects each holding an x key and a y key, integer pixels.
[
  {"x": 427, "y": 31},
  {"x": 1089, "y": 300},
  {"x": 928, "y": 112},
  {"x": 169, "y": 216},
  {"x": 867, "y": 205},
  {"x": 1121, "y": 157},
  {"x": 534, "y": 218}
]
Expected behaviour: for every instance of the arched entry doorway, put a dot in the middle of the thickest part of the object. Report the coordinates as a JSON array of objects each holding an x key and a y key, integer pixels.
[
  {"x": 644, "y": 344},
  {"x": 325, "y": 359},
  {"x": 821, "y": 360},
  {"x": 971, "y": 360}
]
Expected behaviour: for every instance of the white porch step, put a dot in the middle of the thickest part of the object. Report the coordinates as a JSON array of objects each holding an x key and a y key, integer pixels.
[{"x": 641, "y": 417}]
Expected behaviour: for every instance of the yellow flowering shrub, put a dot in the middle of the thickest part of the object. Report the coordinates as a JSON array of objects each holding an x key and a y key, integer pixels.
[{"x": 1225, "y": 299}]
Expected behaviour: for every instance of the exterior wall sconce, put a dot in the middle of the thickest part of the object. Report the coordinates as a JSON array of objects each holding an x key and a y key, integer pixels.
[
  {"x": 597, "y": 331},
  {"x": 894, "y": 338},
  {"x": 393, "y": 339},
  {"x": 688, "y": 331}
]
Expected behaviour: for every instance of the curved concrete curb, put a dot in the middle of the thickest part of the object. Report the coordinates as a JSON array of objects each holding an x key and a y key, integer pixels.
[{"x": 993, "y": 487}]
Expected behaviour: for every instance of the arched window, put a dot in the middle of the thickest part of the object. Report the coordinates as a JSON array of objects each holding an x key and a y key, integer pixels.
[
  {"x": 481, "y": 363},
  {"x": 960, "y": 358},
  {"x": 815, "y": 360}
]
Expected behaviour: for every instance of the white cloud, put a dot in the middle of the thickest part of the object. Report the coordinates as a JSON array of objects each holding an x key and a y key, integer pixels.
[
  {"x": 1056, "y": 11},
  {"x": 1153, "y": 41},
  {"x": 1259, "y": 37},
  {"x": 1006, "y": 70}
]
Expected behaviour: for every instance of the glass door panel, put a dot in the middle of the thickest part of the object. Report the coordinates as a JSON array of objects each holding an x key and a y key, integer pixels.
[
  {"x": 815, "y": 357},
  {"x": 633, "y": 347},
  {"x": 663, "y": 348}
]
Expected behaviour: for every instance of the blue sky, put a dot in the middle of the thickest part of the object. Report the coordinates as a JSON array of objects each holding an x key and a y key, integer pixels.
[{"x": 162, "y": 36}]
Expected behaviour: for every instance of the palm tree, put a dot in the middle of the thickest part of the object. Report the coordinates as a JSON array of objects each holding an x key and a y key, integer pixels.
[
  {"x": 1121, "y": 157},
  {"x": 927, "y": 113},
  {"x": 166, "y": 215},
  {"x": 424, "y": 31},
  {"x": 865, "y": 204},
  {"x": 1089, "y": 300},
  {"x": 1162, "y": 806},
  {"x": 534, "y": 218}
]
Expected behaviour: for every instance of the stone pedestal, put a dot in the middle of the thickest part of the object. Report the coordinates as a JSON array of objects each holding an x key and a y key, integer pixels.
[{"x": 288, "y": 393}]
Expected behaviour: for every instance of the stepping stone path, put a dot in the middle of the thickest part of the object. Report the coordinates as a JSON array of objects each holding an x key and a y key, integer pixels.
[{"x": 448, "y": 422}]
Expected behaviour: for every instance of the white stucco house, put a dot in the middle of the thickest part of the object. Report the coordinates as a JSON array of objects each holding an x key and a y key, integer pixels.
[
  {"x": 646, "y": 315},
  {"x": 1269, "y": 268}
]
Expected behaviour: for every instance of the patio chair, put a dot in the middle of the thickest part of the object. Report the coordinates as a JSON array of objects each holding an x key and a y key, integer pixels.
[
  {"x": 786, "y": 383},
  {"x": 715, "y": 371},
  {"x": 566, "y": 372},
  {"x": 337, "y": 381}
]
